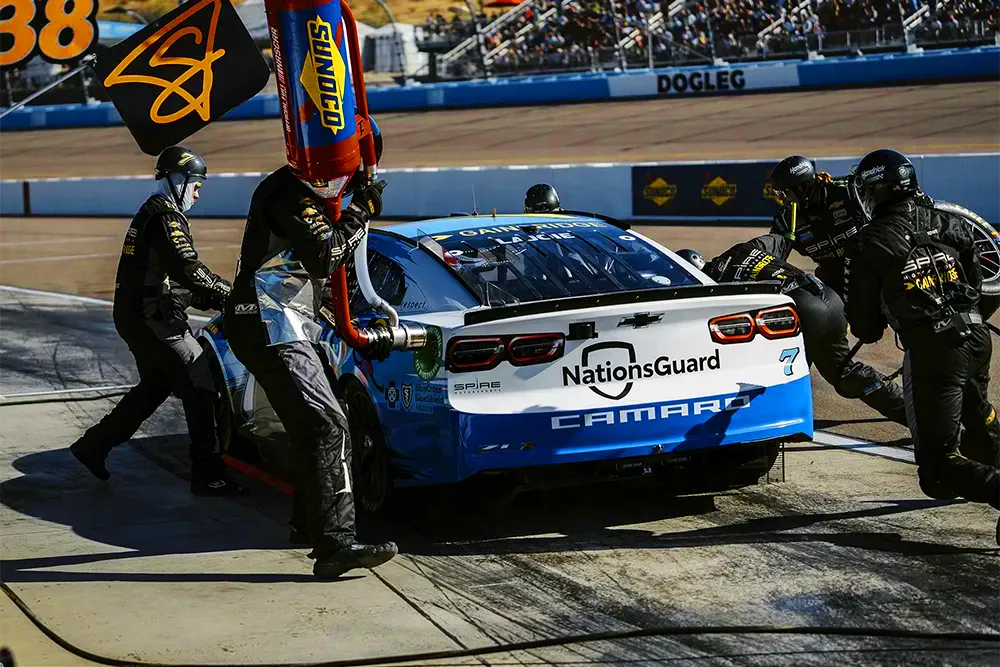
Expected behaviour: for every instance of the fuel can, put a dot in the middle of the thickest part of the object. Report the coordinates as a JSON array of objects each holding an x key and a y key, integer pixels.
[{"x": 313, "y": 72}]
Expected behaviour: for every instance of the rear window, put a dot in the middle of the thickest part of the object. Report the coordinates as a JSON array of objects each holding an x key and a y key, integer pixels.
[{"x": 517, "y": 264}]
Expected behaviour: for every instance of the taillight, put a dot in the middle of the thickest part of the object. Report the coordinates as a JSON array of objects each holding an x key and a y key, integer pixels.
[
  {"x": 475, "y": 354},
  {"x": 732, "y": 328},
  {"x": 780, "y": 322},
  {"x": 771, "y": 323},
  {"x": 488, "y": 352},
  {"x": 535, "y": 349}
]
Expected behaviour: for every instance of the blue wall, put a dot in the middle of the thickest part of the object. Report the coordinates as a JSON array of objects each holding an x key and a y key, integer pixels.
[
  {"x": 946, "y": 65},
  {"x": 969, "y": 180}
]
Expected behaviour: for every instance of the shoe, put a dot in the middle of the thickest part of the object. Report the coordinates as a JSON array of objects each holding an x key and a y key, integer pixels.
[
  {"x": 333, "y": 565},
  {"x": 998, "y": 532},
  {"x": 221, "y": 487},
  {"x": 91, "y": 458}
]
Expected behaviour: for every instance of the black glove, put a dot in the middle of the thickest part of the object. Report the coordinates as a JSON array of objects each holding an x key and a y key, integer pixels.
[
  {"x": 379, "y": 346},
  {"x": 369, "y": 199},
  {"x": 217, "y": 301}
]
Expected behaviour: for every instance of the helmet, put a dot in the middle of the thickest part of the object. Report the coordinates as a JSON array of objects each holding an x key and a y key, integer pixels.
[
  {"x": 885, "y": 176},
  {"x": 692, "y": 257},
  {"x": 359, "y": 176},
  {"x": 184, "y": 171},
  {"x": 180, "y": 160},
  {"x": 541, "y": 198},
  {"x": 793, "y": 178}
]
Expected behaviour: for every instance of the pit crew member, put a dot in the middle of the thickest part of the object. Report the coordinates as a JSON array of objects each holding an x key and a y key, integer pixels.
[
  {"x": 916, "y": 269},
  {"x": 821, "y": 312},
  {"x": 159, "y": 276},
  {"x": 289, "y": 248},
  {"x": 541, "y": 198}
]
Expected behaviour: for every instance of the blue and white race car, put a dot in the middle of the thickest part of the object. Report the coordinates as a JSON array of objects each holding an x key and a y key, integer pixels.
[{"x": 563, "y": 347}]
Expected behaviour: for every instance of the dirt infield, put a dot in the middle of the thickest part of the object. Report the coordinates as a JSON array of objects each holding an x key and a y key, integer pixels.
[{"x": 925, "y": 119}]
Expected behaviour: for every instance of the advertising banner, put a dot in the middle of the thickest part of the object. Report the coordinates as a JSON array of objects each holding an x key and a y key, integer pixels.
[
  {"x": 712, "y": 190},
  {"x": 704, "y": 81}
]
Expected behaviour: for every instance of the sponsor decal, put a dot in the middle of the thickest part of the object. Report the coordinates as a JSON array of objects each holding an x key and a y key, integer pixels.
[
  {"x": 406, "y": 392},
  {"x": 624, "y": 367},
  {"x": 830, "y": 247},
  {"x": 477, "y": 386},
  {"x": 427, "y": 397},
  {"x": 323, "y": 75},
  {"x": 246, "y": 309},
  {"x": 640, "y": 320},
  {"x": 701, "y": 81},
  {"x": 718, "y": 191},
  {"x": 486, "y": 231},
  {"x": 391, "y": 395},
  {"x": 427, "y": 360},
  {"x": 788, "y": 357},
  {"x": 659, "y": 191},
  {"x": 689, "y": 408},
  {"x": 800, "y": 168},
  {"x": 873, "y": 174}
]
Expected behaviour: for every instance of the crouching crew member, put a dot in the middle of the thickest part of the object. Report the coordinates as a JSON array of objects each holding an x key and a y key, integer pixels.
[
  {"x": 821, "y": 313},
  {"x": 916, "y": 269}
]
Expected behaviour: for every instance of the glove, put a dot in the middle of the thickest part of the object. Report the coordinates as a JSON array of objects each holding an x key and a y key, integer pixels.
[
  {"x": 380, "y": 344},
  {"x": 216, "y": 302},
  {"x": 369, "y": 199}
]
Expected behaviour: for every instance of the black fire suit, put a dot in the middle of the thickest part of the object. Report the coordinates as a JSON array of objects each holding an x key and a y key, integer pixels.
[
  {"x": 159, "y": 276},
  {"x": 821, "y": 229},
  {"x": 289, "y": 246},
  {"x": 824, "y": 327},
  {"x": 917, "y": 270}
]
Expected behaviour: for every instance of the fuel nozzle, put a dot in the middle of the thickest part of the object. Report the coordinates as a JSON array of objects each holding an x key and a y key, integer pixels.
[{"x": 403, "y": 336}]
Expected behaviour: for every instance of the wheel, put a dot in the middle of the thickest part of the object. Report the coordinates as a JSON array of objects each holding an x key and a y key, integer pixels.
[
  {"x": 371, "y": 469},
  {"x": 230, "y": 441},
  {"x": 987, "y": 245}
]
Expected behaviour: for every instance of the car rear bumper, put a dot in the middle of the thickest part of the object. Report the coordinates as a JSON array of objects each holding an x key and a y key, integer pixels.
[{"x": 492, "y": 443}]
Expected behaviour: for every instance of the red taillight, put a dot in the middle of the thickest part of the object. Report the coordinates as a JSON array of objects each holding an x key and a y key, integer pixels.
[
  {"x": 535, "y": 349},
  {"x": 474, "y": 354},
  {"x": 771, "y": 323},
  {"x": 488, "y": 352},
  {"x": 780, "y": 322},
  {"x": 732, "y": 328}
]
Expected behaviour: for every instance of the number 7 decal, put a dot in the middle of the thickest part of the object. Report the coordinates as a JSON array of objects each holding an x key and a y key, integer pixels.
[{"x": 789, "y": 356}]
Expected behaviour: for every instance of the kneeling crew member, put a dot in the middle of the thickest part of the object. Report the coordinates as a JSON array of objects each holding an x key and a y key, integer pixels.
[
  {"x": 289, "y": 248},
  {"x": 920, "y": 265},
  {"x": 159, "y": 276},
  {"x": 821, "y": 312}
]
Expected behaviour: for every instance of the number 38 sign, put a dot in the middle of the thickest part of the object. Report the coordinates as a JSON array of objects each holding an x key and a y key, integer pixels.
[{"x": 59, "y": 31}]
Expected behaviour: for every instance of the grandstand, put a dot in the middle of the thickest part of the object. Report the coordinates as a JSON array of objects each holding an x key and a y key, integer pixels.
[{"x": 542, "y": 36}]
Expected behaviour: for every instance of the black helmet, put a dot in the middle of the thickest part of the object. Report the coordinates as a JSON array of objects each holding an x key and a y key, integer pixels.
[
  {"x": 180, "y": 160},
  {"x": 885, "y": 176},
  {"x": 692, "y": 257},
  {"x": 359, "y": 175},
  {"x": 793, "y": 176},
  {"x": 541, "y": 198}
]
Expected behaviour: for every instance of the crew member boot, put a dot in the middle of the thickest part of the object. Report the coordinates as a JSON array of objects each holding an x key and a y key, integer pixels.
[{"x": 333, "y": 565}]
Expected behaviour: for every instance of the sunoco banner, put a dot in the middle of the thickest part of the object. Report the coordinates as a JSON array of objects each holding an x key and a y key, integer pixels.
[{"x": 703, "y": 191}]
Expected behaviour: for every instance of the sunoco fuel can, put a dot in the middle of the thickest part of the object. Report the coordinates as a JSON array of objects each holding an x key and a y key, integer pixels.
[{"x": 313, "y": 73}]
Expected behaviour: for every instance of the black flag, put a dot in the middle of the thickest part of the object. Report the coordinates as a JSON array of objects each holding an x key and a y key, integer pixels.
[{"x": 181, "y": 72}]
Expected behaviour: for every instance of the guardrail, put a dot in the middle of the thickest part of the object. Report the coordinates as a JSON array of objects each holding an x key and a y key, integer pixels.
[
  {"x": 982, "y": 63},
  {"x": 668, "y": 193}
]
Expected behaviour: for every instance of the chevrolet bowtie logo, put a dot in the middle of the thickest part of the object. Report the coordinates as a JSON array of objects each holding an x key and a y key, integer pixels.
[
  {"x": 166, "y": 37},
  {"x": 640, "y": 320}
]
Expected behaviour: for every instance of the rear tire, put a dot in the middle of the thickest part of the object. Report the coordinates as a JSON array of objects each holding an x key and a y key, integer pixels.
[
  {"x": 230, "y": 441},
  {"x": 371, "y": 469}
]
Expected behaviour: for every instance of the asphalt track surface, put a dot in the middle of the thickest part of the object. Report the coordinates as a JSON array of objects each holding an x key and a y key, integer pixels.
[
  {"x": 950, "y": 118},
  {"x": 127, "y": 569}
]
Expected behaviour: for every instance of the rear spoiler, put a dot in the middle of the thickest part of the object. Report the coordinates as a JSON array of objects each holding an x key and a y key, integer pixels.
[{"x": 620, "y": 298}]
